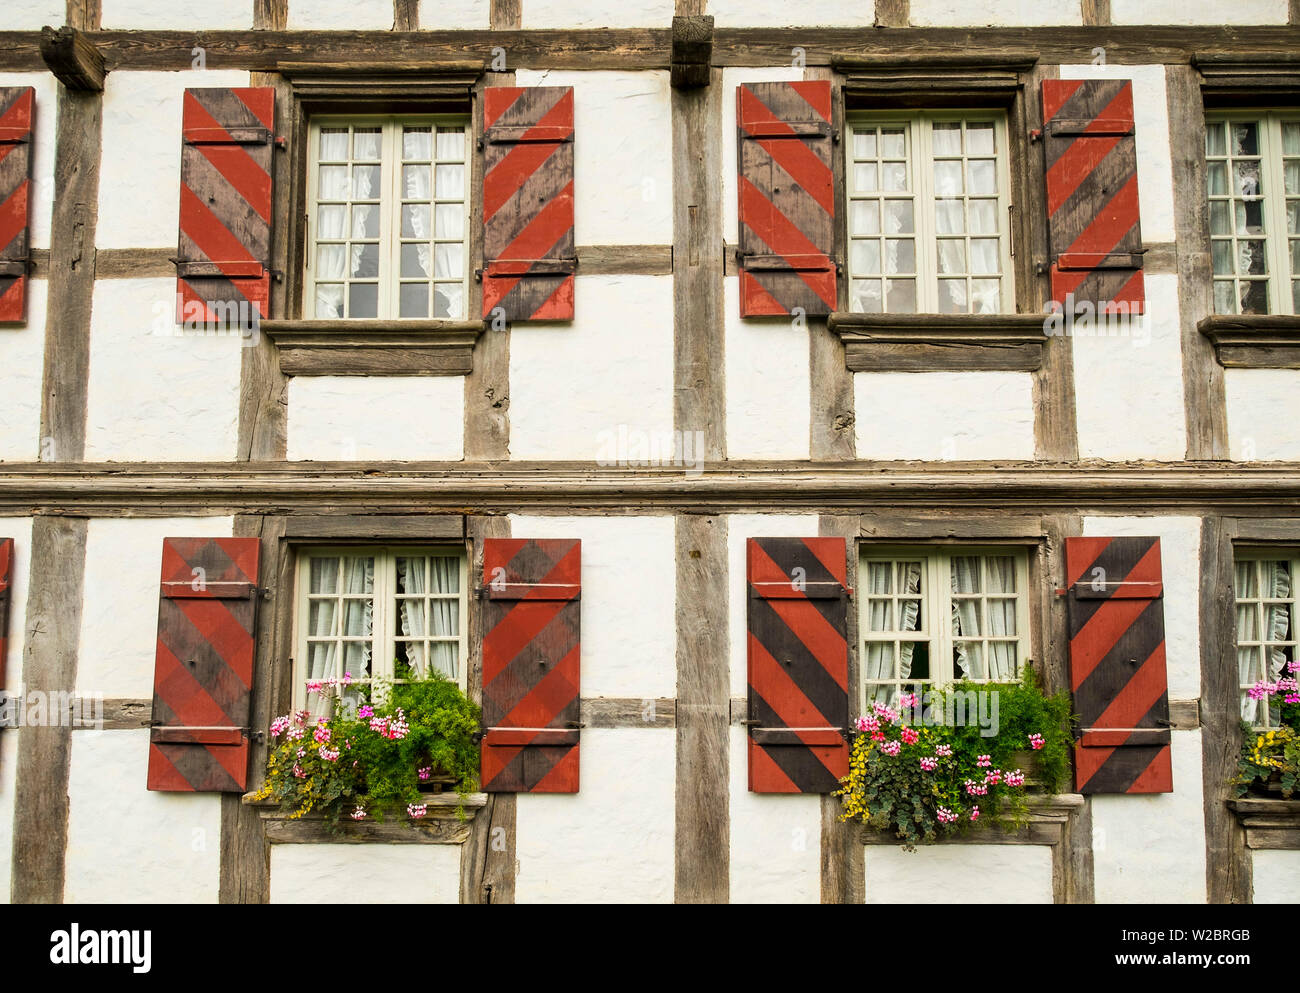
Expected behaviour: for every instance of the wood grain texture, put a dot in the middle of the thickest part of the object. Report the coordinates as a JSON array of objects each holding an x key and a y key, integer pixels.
[
  {"x": 620, "y": 260},
  {"x": 505, "y": 15},
  {"x": 406, "y": 15},
  {"x": 1227, "y": 863},
  {"x": 41, "y": 801},
  {"x": 925, "y": 342},
  {"x": 692, "y": 50},
  {"x": 73, "y": 58},
  {"x": 414, "y": 528},
  {"x": 71, "y": 275},
  {"x": 925, "y": 525},
  {"x": 872, "y": 356},
  {"x": 1253, "y": 342},
  {"x": 1246, "y": 529},
  {"x": 270, "y": 15},
  {"x": 85, "y": 15},
  {"x": 428, "y": 831},
  {"x": 893, "y": 13},
  {"x": 1096, "y": 12},
  {"x": 630, "y": 712},
  {"x": 702, "y": 838},
  {"x": 1205, "y": 402}
]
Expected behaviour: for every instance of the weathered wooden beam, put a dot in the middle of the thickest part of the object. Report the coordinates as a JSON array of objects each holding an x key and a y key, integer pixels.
[
  {"x": 367, "y": 348},
  {"x": 1096, "y": 13},
  {"x": 629, "y": 712},
  {"x": 692, "y": 50},
  {"x": 73, "y": 58},
  {"x": 925, "y": 342},
  {"x": 1254, "y": 341},
  {"x": 376, "y": 527},
  {"x": 893, "y": 13}
]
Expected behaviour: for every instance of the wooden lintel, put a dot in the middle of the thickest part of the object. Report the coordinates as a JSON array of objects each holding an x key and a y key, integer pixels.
[
  {"x": 692, "y": 50},
  {"x": 73, "y": 58}
]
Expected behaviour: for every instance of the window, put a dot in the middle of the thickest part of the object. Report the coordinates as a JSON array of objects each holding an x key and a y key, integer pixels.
[
  {"x": 930, "y": 616},
  {"x": 928, "y": 214},
  {"x": 1253, "y": 179},
  {"x": 379, "y": 613},
  {"x": 388, "y": 218},
  {"x": 1266, "y": 630}
]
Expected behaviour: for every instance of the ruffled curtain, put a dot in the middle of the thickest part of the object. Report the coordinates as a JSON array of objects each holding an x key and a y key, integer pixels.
[{"x": 1275, "y": 627}]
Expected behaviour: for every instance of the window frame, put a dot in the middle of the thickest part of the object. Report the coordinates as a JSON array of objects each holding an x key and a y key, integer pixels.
[
  {"x": 384, "y": 637},
  {"x": 922, "y": 193},
  {"x": 936, "y": 565},
  {"x": 1255, "y": 554}
]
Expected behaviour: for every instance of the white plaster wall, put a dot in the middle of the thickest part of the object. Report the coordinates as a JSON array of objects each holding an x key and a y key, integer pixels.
[
  {"x": 341, "y": 15},
  {"x": 597, "y": 13},
  {"x": 629, "y": 580},
  {"x": 119, "y": 614},
  {"x": 1129, "y": 385},
  {"x": 41, "y": 198},
  {"x": 1180, "y": 563},
  {"x": 376, "y": 417},
  {"x": 140, "y": 169},
  {"x": 210, "y": 15},
  {"x": 1198, "y": 12},
  {"x": 22, "y": 357},
  {"x": 732, "y": 78},
  {"x": 461, "y": 14},
  {"x": 365, "y": 873},
  {"x": 740, "y": 528},
  {"x": 574, "y": 383},
  {"x": 1150, "y": 848},
  {"x": 623, "y": 164},
  {"x": 781, "y": 13},
  {"x": 127, "y": 844},
  {"x": 767, "y": 374},
  {"x": 1276, "y": 876},
  {"x": 32, "y": 15},
  {"x": 944, "y": 415},
  {"x": 612, "y": 842},
  {"x": 1009, "y": 13},
  {"x": 20, "y": 530},
  {"x": 775, "y": 838},
  {"x": 1263, "y": 405},
  {"x": 959, "y": 874},
  {"x": 1151, "y": 140},
  {"x": 154, "y": 394}
]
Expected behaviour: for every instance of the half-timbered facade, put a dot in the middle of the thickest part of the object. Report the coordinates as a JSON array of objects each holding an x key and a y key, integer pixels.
[{"x": 674, "y": 376}]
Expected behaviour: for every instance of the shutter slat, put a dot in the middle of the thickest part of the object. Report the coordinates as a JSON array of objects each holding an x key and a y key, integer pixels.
[
  {"x": 1092, "y": 194},
  {"x": 531, "y": 665},
  {"x": 787, "y": 198},
  {"x": 798, "y": 664},
  {"x": 6, "y": 567},
  {"x": 529, "y": 258},
  {"x": 203, "y": 676},
  {"x": 224, "y": 253},
  {"x": 17, "y": 108},
  {"x": 1117, "y": 665}
]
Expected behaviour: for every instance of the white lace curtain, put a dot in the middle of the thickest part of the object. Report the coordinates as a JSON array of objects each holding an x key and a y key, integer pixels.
[
  {"x": 335, "y": 262},
  {"x": 1000, "y": 618},
  {"x": 323, "y": 657},
  {"x": 880, "y": 580},
  {"x": 442, "y": 619},
  {"x": 1255, "y": 580}
]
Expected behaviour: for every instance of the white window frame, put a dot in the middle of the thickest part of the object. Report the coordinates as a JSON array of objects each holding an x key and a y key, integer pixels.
[
  {"x": 920, "y": 151},
  {"x": 1279, "y": 274},
  {"x": 1253, "y": 555},
  {"x": 936, "y": 609},
  {"x": 390, "y": 203},
  {"x": 384, "y": 616}
]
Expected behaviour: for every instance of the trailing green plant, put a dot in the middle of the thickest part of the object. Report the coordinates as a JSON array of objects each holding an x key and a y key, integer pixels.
[
  {"x": 367, "y": 760},
  {"x": 1272, "y": 755},
  {"x": 919, "y": 770}
]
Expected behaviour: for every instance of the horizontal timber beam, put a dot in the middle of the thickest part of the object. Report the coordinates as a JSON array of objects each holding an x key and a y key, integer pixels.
[{"x": 98, "y": 489}]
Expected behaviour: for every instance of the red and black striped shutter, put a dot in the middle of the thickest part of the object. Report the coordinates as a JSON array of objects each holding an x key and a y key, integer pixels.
[
  {"x": 203, "y": 673},
  {"x": 1092, "y": 194},
  {"x": 531, "y": 665},
  {"x": 223, "y": 261},
  {"x": 529, "y": 258},
  {"x": 1117, "y": 665},
  {"x": 787, "y": 198},
  {"x": 798, "y": 664},
  {"x": 17, "y": 106},
  {"x": 6, "y": 566}
]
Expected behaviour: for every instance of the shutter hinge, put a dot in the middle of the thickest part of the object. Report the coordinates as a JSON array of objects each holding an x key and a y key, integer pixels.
[
  {"x": 751, "y": 724},
  {"x": 478, "y": 143},
  {"x": 1041, "y": 268},
  {"x": 1035, "y": 134},
  {"x": 258, "y": 736},
  {"x": 478, "y": 274},
  {"x": 835, "y": 137},
  {"x": 281, "y": 142},
  {"x": 574, "y": 724},
  {"x": 480, "y": 592}
]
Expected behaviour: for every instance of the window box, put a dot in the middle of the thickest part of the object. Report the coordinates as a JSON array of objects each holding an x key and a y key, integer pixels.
[
  {"x": 443, "y": 824},
  {"x": 374, "y": 347},
  {"x": 1268, "y": 823},
  {"x": 1254, "y": 341},
  {"x": 935, "y": 342}
]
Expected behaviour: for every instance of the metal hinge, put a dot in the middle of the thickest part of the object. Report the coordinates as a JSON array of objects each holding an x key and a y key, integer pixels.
[{"x": 1035, "y": 134}]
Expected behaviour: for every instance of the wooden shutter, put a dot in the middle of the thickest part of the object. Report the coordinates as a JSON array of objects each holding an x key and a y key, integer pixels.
[
  {"x": 787, "y": 198},
  {"x": 529, "y": 259},
  {"x": 203, "y": 673},
  {"x": 223, "y": 261},
  {"x": 17, "y": 105},
  {"x": 6, "y": 567},
  {"x": 798, "y": 664},
  {"x": 1117, "y": 665},
  {"x": 1092, "y": 193},
  {"x": 531, "y": 669}
]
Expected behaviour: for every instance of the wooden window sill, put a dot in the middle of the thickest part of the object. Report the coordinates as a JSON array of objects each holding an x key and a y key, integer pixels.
[
  {"x": 1049, "y": 816},
  {"x": 374, "y": 347},
  {"x": 440, "y": 826},
  {"x": 1251, "y": 341},
  {"x": 940, "y": 342},
  {"x": 1269, "y": 823}
]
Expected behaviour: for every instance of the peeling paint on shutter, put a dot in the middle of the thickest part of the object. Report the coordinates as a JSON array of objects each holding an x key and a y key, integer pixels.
[
  {"x": 203, "y": 673},
  {"x": 222, "y": 266},
  {"x": 17, "y": 106},
  {"x": 529, "y": 258},
  {"x": 787, "y": 198},
  {"x": 531, "y": 665},
  {"x": 1117, "y": 665},
  {"x": 1092, "y": 193},
  {"x": 798, "y": 664}
]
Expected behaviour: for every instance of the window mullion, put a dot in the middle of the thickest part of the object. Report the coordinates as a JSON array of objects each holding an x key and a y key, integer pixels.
[
  {"x": 927, "y": 290},
  {"x": 941, "y": 635}
]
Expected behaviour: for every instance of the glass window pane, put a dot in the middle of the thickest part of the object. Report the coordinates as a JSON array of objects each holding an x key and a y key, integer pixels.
[
  {"x": 1251, "y": 258},
  {"x": 1222, "y": 253},
  {"x": 365, "y": 222},
  {"x": 357, "y": 618},
  {"x": 366, "y": 144},
  {"x": 417, "y": 143},
  {"x": 333, "y": 183},
  {"x": 880, "y": 577},
  {"x": 358, "y": 575},
  {"x": 416, "y": 262},
  {"x": 952, "y": 255},
  {"x": 449, "y": 261},
  {"x": 947, "y": 138},
  {"x": 451, "y": 142},
  {"x": 413, "y": 300},
  {"x": 947, "y": 179},
  {"x": 1246, "y": 179},
  {"x": 448, "y": 300},
  {"x": 949, "y": 217},
  {"x": 952, "y": 296},
  {"x": 1000, "y": 571},
  {"x": 363, "y": 300},
  {"x": 415, "y": 220},
  {"x": 321, "y": 618},
  {"x": 899, "y": 217},
  {"x": 986, "y": 295},
  {"x": 1217, "y": 179},
  {"x": 324, "y": 575},
  {"x": 979, "y": 139},
  {"x": 449, "y": 221},
  {"x": 1291, "y": 138},
  {"x": 984, "y": 256},
  {"x": 1219, "y": 221},
  {"x": 983, "y": 216},
  {"x": 901, "y": 295},
  {"x": 365, "y": 261},
  {"x": 1254, "y": 297},
  {"x": 333, "y": 145},
  {"x": 866, "y": 178},
  {"x": 1293, "y": 217},
  {"x": 865, "y": 256},
  {"x": 331, "y": 221},
  {"x": 1215, "y": 140},
  {"x": 900, "y": 256},
  {"x": 895, "y": 177},
  {"x": 983, "y": 176},
  {"x": 415, "y": 182},
  {"x": 892, "y": 145},
  {"x": 864, "y": 144},
  {"x": 1245, "y": 138},
  {"x": 329, "y": 300},
  {"x": 1250, "y": 217},
  {"x": 356, "y": 659},
  {"x": 450, "y": 182},
  {"x": 1292, "y": 181},
  {"x": 365, "y": 182},
  {"x": 866, "y": 296},
  {"x": 1224, "y": 297}
]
